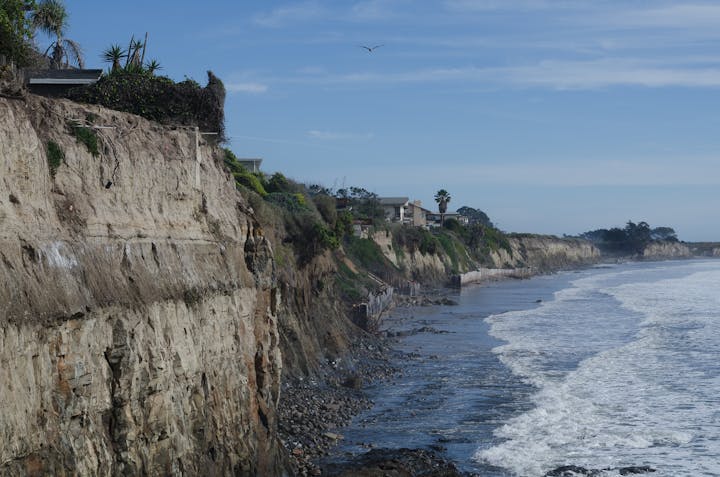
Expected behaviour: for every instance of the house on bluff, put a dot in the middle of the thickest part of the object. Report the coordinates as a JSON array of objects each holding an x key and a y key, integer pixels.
[
  {"x": 416, "y": 215},
  {"x": 56, "y": 83},
  {"x": 394, "y": 208}
]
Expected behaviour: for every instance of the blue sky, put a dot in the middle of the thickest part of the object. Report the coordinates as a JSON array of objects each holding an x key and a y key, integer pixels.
[{"x": 552, "y": 116}]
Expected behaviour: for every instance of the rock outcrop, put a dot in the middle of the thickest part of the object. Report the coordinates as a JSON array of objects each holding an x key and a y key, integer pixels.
[
  {"x": 545, "y": 253},
  {"x": 138, "y": 303},
  {"x": 660, "y": 250}
]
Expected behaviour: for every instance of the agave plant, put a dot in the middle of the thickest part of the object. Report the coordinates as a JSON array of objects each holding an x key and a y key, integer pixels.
[
  {"x": 113, "y": 55},
  {"x": 153, "y": 66},
  {"x": 50, "y": 17},
  {"x": 133, "y": 54}
]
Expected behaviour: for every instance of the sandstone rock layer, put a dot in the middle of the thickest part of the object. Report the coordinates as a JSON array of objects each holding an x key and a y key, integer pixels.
[{"x": 138, "y": 305}]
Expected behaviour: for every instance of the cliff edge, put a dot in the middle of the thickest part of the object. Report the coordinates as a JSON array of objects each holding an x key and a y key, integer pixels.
[{"x": 138, "y": 304}]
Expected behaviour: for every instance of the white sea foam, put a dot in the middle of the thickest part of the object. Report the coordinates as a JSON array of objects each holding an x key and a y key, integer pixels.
[{"x": 627, "y": 367}]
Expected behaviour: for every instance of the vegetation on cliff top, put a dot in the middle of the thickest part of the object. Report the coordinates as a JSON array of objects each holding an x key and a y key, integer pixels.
[
  {"x": 16, "y": 31},
  {"x": 159, "y": 98},
  {"x": 633, "y": 238}
]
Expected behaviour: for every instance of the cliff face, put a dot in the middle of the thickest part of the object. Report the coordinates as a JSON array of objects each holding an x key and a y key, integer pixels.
[
  {"x": 427, "y": 268},
  {"x": 659, "y": 250},
  {"x": 545, "y": 253},
  {"x": 527, "y": 254},
  {"x": 138, "y": 306}
]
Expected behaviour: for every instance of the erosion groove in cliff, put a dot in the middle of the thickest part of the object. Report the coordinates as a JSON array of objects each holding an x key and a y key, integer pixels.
[{"x": 138, "y": 304}]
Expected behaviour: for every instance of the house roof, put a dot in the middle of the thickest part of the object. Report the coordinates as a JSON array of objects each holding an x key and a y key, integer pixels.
[
  {"x": 248, "y": 159},
  {"x": 69, "y": 76},
  {"x": 412, "y": 205},
  {"x": 393, "y": 200}
]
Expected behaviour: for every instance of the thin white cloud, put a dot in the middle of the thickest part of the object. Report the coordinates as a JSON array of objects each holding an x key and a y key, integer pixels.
[
  {"x": 284, "y": 15},
  {"x": 488, "y": 5},
  {"x": 373, "y": 10},
  {"x": 612, "y": 72},
  {"x": 601, "y": 173},
  {"x": 548, "y": 173},
  {"x": 251, "y": 88},
  {"x": 335, "y": 136},
  {"x": 691, "y": 72},
  {"x": 672, "y": 16}
]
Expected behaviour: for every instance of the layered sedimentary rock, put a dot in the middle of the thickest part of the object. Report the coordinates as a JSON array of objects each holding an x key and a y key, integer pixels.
[
  {"x": 138, "y": 304},
  {"x": 546, "y": 253},
  {"x": 658, "y": 250}
]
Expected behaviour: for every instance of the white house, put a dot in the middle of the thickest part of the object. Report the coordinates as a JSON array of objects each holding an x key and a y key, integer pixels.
[{"x": 394, "y": 207}]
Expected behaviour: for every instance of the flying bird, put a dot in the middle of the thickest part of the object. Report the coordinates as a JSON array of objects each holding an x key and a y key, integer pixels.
[{"x": 370, "y": 49}]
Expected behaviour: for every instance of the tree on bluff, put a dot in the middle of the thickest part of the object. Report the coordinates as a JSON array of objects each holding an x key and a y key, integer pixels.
[
  {"x": 664, "y": 233},
  {"x": 442, "y": 197},
  {"x": 16, "y": 31},
  {"x": 475, "y": 216},
  {"x": 50, "y": 17},
  {"x": 632, "y": 238}
]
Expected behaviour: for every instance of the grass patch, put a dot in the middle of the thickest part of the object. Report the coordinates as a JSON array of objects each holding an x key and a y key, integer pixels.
[
  {"x": 88, "y": 137},
  {"x": 448, "y": 245},
  {"x": 368, "y": 254},
  {"x": 55, "y": 156},
  {"x": 349, "y": 283}
]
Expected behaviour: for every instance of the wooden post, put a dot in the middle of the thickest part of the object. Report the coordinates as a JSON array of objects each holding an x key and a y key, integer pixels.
[{"x": 198, "y": 158}]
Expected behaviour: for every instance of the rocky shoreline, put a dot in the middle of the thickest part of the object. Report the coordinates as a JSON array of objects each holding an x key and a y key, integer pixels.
[{"x": 313, "y": 411}]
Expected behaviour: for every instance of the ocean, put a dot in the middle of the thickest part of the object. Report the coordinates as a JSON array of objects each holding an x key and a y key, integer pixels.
[{"x": 604, "y": 368}]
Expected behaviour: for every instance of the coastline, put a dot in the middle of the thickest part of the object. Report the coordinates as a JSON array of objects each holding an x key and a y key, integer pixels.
[
  {"x": 333, "y": 460},
  {"x": 408, "y": 460}
]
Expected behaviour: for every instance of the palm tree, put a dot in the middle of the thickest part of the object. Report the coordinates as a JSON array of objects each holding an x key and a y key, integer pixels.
[
  {"x": 113, "y": 55},
  {"x": 50, "y": 17},
  {"x": 442, "y": 197}
]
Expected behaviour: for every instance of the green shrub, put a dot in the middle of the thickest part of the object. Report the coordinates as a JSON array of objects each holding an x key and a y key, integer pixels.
[
  {"x": 428, "y": 244},
  {"x": 160, "y": 99},
  {"x": 88, "y": 137},
  {"x": 343, "y": 224},
  {"x": 453, "y": 224},
  {"x": 349, "y": 283},
  {"x": 496, "y": 240},
  {"x": 325, "y": 237},
  {"x": 415, "y": 238},
  {"x": 279, "y": 183},
  {"x": 308, "y": 235},
  {"x": 250, "y": 181},
  {"x": 55, "y": 156},
  {"x": 326, "y": 206},
  {"x": 448, "y": 246},
  {"x": 289, "y": 202},
  {"x": 232, "y": 162},
  {"x": 368, "y": 254},
  {"x": 16, "y": 32}
]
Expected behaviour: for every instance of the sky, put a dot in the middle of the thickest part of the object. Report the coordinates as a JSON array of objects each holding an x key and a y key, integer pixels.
[{"x": 552, "y": 116}]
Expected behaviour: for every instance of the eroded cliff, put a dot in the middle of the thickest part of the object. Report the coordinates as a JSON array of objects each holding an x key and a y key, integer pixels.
[
  {"x": 138, "y": 303},
  {"x": 545, "y": 253}
]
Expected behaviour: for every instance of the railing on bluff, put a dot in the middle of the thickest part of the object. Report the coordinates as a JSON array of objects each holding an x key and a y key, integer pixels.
[{"x": 487, "y": 274}]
